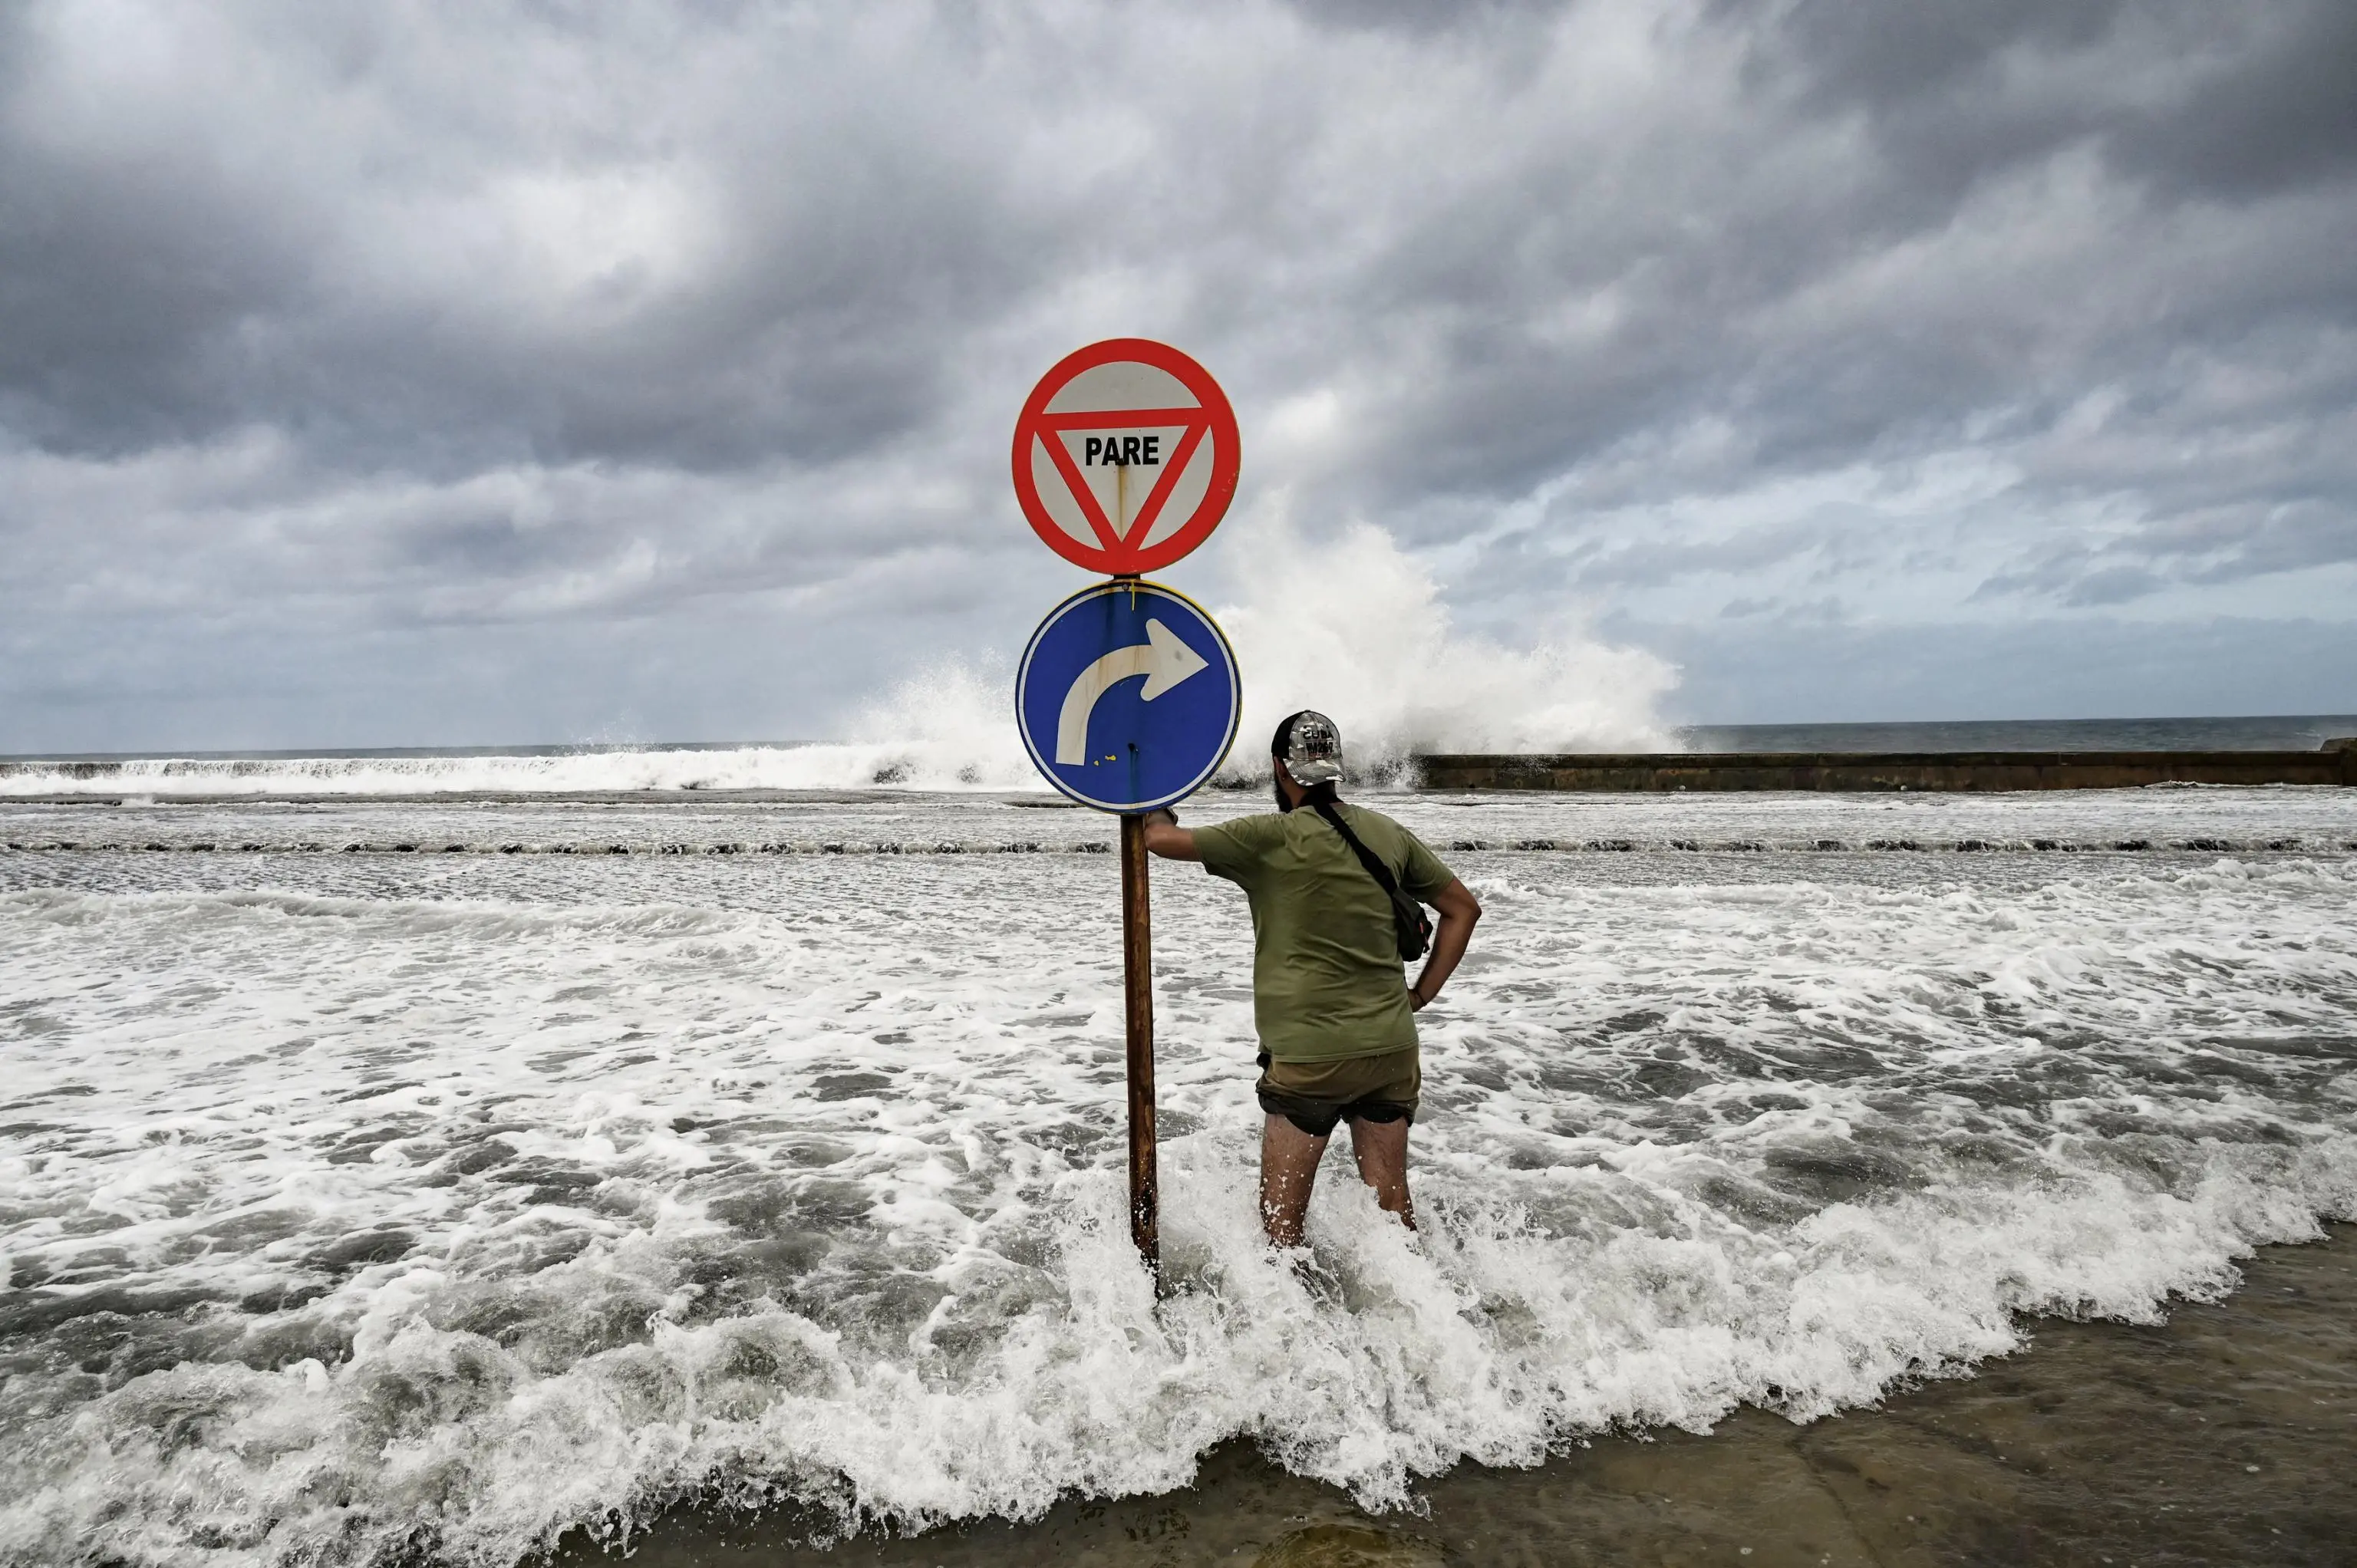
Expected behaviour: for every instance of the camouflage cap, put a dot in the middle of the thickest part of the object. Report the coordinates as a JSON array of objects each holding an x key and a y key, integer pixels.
[{"x": 1312, "y": 751}]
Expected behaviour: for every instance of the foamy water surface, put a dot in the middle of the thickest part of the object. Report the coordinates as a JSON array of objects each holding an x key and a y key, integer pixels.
[
  {"x": 404, "y": 1200},
  {"x": 950, "y": 763}
]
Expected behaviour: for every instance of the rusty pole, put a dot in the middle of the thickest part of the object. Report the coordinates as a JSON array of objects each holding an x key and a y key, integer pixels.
[{"x": 1138, "y": 994}]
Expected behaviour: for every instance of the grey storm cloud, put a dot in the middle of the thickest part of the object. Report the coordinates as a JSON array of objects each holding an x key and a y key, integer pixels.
[{"x": 449, "y": 315}]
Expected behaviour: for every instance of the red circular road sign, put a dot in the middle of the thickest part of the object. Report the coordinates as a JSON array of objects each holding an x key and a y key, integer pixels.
[{"x": 1126, "y": 456}]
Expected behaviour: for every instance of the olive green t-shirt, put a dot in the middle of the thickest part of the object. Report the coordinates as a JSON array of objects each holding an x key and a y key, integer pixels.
[{"x": 1327, "y": 980}]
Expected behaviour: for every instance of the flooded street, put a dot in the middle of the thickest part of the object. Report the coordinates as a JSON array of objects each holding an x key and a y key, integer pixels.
[{"x": 2221, "y": 1437}]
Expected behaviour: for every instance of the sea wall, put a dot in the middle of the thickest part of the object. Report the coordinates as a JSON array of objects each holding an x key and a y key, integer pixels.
[{"x": 1666, "y": 773}]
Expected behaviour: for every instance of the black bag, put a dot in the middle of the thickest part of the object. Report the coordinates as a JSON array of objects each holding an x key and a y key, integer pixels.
[{"x": 1413, "y": 929}]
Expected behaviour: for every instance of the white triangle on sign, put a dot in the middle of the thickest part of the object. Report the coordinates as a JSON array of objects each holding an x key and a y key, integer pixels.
[{"x": 1122, "y": 487}]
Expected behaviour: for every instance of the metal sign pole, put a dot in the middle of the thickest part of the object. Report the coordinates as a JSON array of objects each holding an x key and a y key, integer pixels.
[{"x": 1138, "y": 994}]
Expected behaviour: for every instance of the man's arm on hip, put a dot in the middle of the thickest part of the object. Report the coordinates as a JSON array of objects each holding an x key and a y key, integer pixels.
[{"x": 1458, "y": 911}]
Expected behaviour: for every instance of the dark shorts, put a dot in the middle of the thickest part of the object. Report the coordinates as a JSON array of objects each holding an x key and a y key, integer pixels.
[{"x": 1314, "y": 1096}]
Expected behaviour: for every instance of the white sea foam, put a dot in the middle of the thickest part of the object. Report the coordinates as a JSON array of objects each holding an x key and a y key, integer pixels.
[
  {"x": 360, "y": 1203},
  {"x": 921, "y": 760},
  {"x": 1357, "y": 628}
]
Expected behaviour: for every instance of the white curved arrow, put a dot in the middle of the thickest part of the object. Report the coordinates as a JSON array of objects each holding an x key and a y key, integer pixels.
[{"x": 1162, "y": 659}]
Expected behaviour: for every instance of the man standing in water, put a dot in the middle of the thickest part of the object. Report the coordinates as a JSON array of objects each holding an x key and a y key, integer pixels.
[{"x": 1329, "y": 998}]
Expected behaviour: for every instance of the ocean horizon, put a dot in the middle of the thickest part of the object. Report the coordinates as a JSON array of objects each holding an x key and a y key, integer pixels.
[{"x": 2281, "y": 732}]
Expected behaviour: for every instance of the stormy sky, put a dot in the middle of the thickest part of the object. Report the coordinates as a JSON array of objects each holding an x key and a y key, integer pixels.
[{"x": 384, "y": 374}]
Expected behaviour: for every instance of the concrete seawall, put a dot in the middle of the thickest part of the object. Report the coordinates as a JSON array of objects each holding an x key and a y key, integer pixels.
[{"x": 1860, "y": 771}]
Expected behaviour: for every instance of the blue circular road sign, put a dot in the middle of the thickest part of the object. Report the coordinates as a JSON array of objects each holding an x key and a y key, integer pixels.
[{"x": 1129, "y": 696}]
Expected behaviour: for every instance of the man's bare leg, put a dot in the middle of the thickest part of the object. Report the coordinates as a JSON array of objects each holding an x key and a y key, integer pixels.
[
  {"x": 1382, "y": 1151},
  {"x": 1288, "y": 1169}
]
